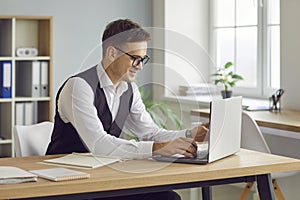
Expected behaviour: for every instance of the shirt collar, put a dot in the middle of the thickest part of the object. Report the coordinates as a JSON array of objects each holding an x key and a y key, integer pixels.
[{"x": 106, "y": 82}]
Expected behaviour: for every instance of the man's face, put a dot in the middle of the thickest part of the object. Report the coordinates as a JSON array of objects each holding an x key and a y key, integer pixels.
[{"x": 122, "y": 66}]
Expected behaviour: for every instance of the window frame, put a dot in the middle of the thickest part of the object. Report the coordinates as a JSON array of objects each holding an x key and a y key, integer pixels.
[{"x": 262, "y": 89}]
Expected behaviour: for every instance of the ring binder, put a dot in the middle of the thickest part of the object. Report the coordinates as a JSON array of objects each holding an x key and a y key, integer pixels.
[
  {"x": 28, "y": 79},
  {"x": 5, "y": 79},
  {"x": 44, "y": 79}
]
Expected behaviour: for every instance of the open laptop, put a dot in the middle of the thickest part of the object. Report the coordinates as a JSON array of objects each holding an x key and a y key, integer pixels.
[{"x": 224, "y": 133}]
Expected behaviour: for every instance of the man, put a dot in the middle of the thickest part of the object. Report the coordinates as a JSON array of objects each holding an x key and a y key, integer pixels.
[{"x": 94, "y": 106}]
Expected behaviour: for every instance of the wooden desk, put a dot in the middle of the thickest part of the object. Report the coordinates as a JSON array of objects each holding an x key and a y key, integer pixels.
[
  {"x": 288, "y": 120},
  {"x": 140, "y": 176}
]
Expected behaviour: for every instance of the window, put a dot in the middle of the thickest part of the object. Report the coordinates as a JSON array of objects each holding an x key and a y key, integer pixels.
[{"x": 247, "y": 32}]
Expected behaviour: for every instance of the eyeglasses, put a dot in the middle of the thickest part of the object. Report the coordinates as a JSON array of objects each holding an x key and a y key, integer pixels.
[{"x": 136, "y": 59}]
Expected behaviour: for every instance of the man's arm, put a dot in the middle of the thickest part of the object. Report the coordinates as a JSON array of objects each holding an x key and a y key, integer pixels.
[
  {"x": 184, "y": 146},
  {"x": 167, "y": 142},
  {"x": 76, "y": 106}
]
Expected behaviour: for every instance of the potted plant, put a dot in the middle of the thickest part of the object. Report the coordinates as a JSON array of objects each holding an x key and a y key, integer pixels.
[
  {"x": 160, "y": 111},
  {"x": 228, "y": 78}
]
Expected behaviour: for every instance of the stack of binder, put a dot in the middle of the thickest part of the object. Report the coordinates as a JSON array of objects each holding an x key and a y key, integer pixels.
[
  {"x": 32, "y": 79},
  {"x": 26, "y": 113},
  {"x": 5, "y": 79}
]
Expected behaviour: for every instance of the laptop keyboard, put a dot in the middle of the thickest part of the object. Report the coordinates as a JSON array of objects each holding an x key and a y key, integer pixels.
[{"x": 201, "y": 155}]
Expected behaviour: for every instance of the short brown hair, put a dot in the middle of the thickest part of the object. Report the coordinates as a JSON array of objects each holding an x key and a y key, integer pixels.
[{"x": 123, "y": 30}]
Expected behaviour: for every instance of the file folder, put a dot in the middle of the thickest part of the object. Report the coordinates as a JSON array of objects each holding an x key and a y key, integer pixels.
[
  {"x": 28, "y": 120},
  {"x": 44, "y": 79},
  {"x": 5, "y": 79},
  {"x": 28, "y": 79},
  {"x": 19, "y": 114},
  {"x": 26, "y": 113}
]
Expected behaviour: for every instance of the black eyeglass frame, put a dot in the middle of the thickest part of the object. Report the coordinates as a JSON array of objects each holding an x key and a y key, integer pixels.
[{"x": 136, "y": 59}]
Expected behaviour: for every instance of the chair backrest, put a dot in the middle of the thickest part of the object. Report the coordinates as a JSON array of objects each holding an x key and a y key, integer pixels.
[
  {"x": 252, "y": 137},
  {"x": 32, "y": 140}
]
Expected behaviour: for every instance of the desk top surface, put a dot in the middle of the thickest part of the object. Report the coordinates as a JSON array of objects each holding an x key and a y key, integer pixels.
[
  {"x": 285, "y": 120},
  {"x": 144, "y": 173}
]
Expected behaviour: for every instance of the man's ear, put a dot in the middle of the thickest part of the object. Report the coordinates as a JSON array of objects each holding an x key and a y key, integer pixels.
[{"x": 111, "y": 53}]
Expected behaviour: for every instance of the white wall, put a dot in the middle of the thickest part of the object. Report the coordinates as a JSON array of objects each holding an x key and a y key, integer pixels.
[
  {"x": 290, "y": 53},
  {"x": 186, "y": 43},
  {"x": 78, "y": 27},
  {"x": 158, "y": 74}
]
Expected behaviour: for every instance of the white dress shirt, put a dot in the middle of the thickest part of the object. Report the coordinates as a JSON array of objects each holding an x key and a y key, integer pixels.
[{"x": 75, "y": 105}]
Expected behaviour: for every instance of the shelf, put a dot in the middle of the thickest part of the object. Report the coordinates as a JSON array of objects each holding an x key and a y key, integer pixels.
[
  {"x": 5, "y": 141},
  {"x": 5, "y": 58},
  {"x": 20, "y": 99},
  {"x": 5, "y": 100},
  {"x": 32, "y": 58},
  {"x": 34, "y": 103}
]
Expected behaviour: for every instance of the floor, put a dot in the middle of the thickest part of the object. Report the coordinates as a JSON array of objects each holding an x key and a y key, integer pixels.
[{"x": 228, "y": 192}]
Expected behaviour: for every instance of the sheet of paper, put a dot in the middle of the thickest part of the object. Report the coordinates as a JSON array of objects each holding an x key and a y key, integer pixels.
[{"x": 87, "y": 161}]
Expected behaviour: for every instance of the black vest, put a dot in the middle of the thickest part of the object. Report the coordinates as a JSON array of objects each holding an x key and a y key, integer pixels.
[{"x": 65, "y": 138}]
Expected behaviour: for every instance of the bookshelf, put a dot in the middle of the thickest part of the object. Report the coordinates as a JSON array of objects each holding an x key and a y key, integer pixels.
[{"x": 24, "y": 32}]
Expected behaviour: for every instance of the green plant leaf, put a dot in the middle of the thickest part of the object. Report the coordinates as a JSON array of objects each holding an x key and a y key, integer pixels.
[
  {"x": 238, "y": 77},
  {"x": 160, "y": 112},
  {"x": 218, "y": 81},
  {"x": 157, "y": 119},
  {"x": 226, "y": 77},
  {"x": 232, "y": 83},
  {"x": 227, "y": 65},
  {"x": 169, "y": 114},
  {"x": 174, "y": 119},
  {"x": 217, "y": 74}
]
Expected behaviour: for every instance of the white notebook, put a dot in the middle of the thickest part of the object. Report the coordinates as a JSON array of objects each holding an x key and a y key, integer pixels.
[
  {"x": 9, "y": 175},
  {"x": 60, "y": 174},
  {"x": 87, "y": 161}
]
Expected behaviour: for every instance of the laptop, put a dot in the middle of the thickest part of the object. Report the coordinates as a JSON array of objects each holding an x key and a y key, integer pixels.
[{"x": 224, "y": 133}]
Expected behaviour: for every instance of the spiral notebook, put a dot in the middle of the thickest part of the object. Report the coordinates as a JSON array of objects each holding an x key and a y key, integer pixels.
[{"x": 60, "y": 174}]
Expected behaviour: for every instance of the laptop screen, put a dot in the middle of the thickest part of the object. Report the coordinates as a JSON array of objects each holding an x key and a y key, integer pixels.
[
  {"x": 225, "y": 128},
  {"x": 224, "y": 135}
]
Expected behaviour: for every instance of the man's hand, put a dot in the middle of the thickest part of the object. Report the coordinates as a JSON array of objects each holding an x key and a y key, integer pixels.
[
  {"x": 199, "y": 133},
  {"x": 184, "y": 146}
]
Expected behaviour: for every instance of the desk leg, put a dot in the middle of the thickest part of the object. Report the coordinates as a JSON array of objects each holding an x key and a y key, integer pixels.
[
  {"x": 206, "y": 193},
  {"x": 265, "y": 187}
]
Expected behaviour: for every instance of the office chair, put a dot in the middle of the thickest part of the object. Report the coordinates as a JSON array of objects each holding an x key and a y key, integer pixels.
[
  {"x": 253, "y": 139},
  {"x": 32, "y": 140}
]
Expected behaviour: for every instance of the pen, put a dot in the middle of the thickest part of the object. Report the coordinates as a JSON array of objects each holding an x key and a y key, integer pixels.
[
  {"x": 274, "y": 102},
  {"x": 195, "y": 145},
  {"x": 276, "y": 99},
  {"x": 279, "y": 93}
]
